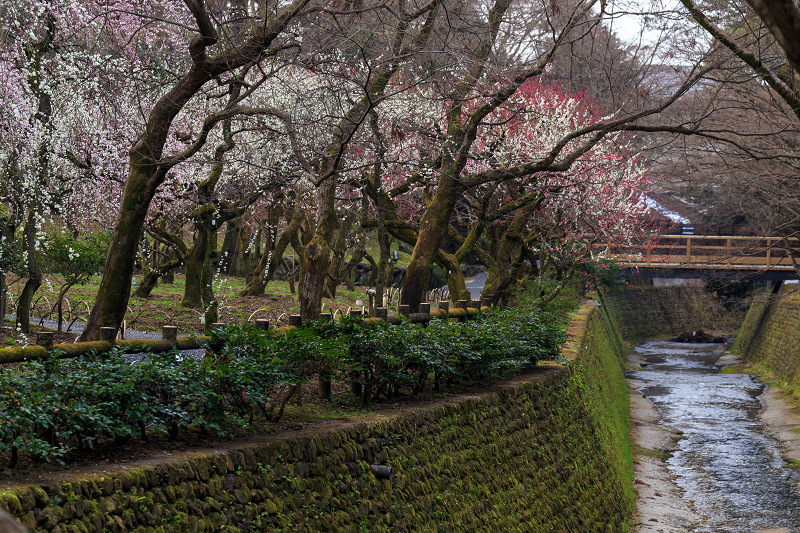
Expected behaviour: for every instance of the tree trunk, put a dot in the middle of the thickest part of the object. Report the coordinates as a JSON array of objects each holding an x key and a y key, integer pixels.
[
  {"x": 432, "y": 229},
  {"x": 2, "y": 298},
  {"x": 230, "y": 255},
  {"x": 150, "y": 279},
  {"x": 60, "y": 304},
  {"x": 207, "y": 277},
  {"x": 337, "y": 257},
  {"x": 317, "y": 252},
  {"x": 269, "y": 263},
  {"x": 167, "y": 272},
  {"x": 34, "y": 273},
  {"x": 195, "y": 261},
  {"x": 456, "y": 283},
  {"x": 114, "y": 291}
]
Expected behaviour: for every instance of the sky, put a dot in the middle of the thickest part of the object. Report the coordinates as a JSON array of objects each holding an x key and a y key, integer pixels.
[{"x": 633, "y": 14}]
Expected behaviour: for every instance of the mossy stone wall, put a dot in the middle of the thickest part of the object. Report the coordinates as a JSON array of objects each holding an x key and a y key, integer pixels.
[
  {"x": 548, "y": 454},
  {"x": 770, "y": 335},
  {"x": 652, "y": 312}
]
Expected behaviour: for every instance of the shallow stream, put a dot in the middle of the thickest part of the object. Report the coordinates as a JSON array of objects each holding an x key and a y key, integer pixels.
[{"x": 726, "y": 464}]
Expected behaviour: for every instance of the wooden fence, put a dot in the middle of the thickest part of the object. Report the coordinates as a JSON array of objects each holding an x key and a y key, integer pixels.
[
  {"x": 704, "y": 251},
  {"x": 170, "y": 340}
]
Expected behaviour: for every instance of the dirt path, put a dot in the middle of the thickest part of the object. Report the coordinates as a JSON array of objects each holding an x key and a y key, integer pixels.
[{"x": 660, "y": 507}]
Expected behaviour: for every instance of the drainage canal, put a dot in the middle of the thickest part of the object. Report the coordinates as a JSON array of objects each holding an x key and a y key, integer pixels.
[{"x": 727, "y": 466}]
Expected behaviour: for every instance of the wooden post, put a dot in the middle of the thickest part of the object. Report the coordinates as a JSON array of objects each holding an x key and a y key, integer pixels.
[
  {"x": 169, "y": 333},
  {"x": 425, "y": 308},
  {"x": 382, "y": 313},
  {"x": 769, "y": 253},
  {"x": 327, "y": 317},
  {"x": 108, "y": 334},
  {"x": 487, "y": 301},
  {"x": 688, "y": 249},
  {"x": 262, "y": 324},
  {"x": 356, "y": 312},
  {"x": 45, "y": 340},
  {"x": 2, "y": 298},
  {"x": 444, "y": 305},
  {"x": 404, "y": 310},
  {"x": 476, "y": 304},
  {"x": 729, "y": 250},
  {"x": 462, "y": 304},
  {"x": 295, "y": 320}
]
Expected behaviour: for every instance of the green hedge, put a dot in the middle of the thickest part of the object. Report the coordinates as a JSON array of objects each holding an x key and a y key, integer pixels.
[{"x": 50, "y": 406}]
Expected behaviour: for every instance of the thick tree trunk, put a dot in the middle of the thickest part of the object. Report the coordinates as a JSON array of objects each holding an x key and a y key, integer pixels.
[
  {"x": 432, "y": 229},
  {"x": 195, "y": 261},
  {"x": 456, "y": 283},
  {"x": 317, "y": 252},
  {"x": 193, "y": 291},
  {"x": 115, "y": 286}
]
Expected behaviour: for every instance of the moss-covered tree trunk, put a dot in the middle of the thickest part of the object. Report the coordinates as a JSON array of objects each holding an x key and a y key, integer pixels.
[
  {"x": 115, "y": 286},
  {"x": 432, "y": 229},
  {"x": 195, "y": 261},
  {"x": 316, "y": 254}
]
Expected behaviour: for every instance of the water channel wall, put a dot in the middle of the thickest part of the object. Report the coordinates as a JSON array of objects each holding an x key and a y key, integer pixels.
[
  {"x": 770, "y": 335},
  {"x": 642, "y": 313},
  {"x": 547, "y": 452}
]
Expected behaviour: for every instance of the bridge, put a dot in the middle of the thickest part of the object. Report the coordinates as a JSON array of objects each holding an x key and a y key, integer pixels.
[{"x": 707, "y": 257}]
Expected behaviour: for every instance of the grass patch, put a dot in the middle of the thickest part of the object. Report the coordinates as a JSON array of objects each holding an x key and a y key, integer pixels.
[{"x": 659, "y": 455}]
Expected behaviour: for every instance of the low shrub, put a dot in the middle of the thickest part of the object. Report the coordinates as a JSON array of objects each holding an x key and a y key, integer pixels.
[{"x": 48, "y": 407}]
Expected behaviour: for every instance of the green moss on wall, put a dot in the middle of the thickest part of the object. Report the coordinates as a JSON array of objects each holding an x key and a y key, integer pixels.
[
  {"x": 770, "y": 336},
  {"x": 551, "y": 454},
  {"x": 651, "y": 312}
]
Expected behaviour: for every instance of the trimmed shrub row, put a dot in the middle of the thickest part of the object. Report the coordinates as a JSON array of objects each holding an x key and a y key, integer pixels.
[{"x": 48, "y": 407}]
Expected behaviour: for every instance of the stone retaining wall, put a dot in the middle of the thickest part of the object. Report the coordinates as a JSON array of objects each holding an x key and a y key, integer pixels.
[
  {"x": 548, "y": 452},
  {"x": 651, "y": 312},
  {"x": 770, "y": 335}
]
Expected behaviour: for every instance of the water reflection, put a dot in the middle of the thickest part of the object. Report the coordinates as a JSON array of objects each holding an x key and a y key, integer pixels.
[{"x": 728, "y": 467}]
